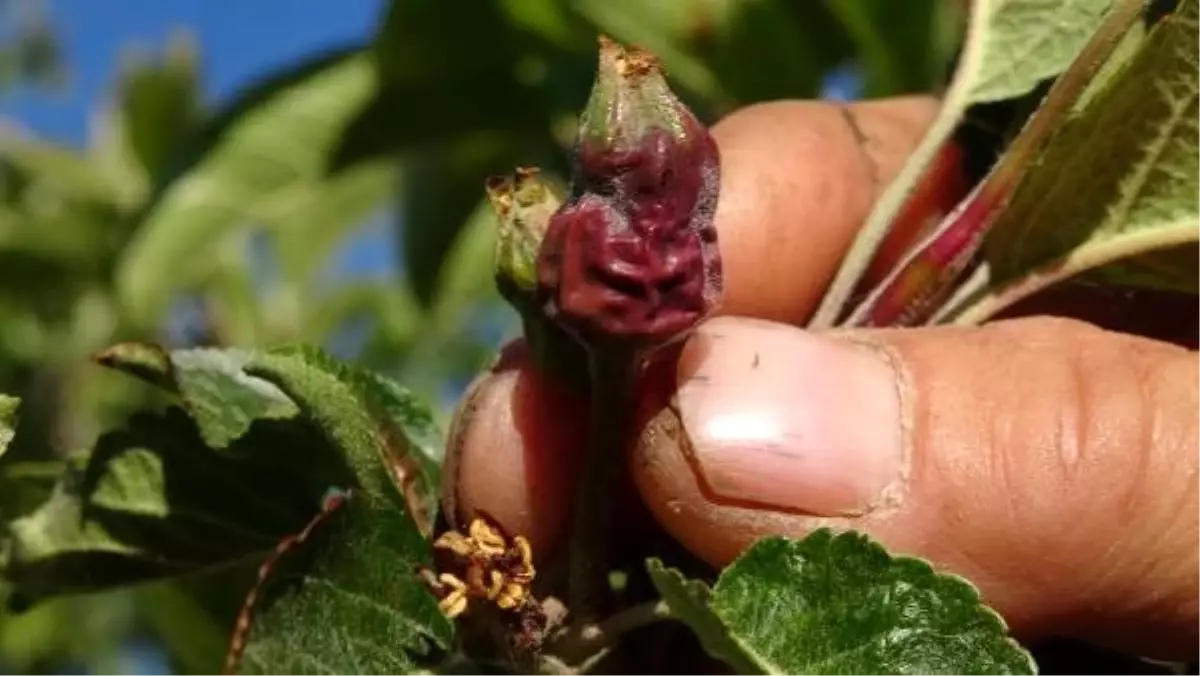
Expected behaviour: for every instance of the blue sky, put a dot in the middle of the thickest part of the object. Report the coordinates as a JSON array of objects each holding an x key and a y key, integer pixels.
[{"x": 239, "y": 40}]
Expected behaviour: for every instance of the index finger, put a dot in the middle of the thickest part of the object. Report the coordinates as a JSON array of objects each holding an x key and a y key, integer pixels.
[{"x": 797, "y": 180}]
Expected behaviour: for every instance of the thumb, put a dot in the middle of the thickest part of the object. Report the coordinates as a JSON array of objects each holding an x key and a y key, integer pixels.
[{"x": 1052, "y": 463}]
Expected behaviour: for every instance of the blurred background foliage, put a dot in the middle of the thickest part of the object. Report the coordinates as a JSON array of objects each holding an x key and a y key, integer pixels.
[{"x": 192, "y": 224}]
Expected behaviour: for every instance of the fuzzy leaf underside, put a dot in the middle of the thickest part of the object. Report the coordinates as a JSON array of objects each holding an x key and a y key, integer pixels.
[
  {"x": 1011, "y": 47},
  {"x": 353, "y": 603},
  {"x": 1120, "y": 180},
  {"x": 367, "y": 419},
  {"x": 356, "y": 607},
  {"x": 1028, "y": 41},
  {"x": 840, "y": 604}
]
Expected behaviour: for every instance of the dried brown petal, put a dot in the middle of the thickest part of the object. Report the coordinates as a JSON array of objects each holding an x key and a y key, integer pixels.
[{"x": 484, "y": 564}]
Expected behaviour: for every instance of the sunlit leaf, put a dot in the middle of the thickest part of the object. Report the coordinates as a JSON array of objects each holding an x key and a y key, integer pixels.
[
  {"x": 925, "y": 277},
  {"x": 311, "y": 228},
  {"x": 344, "y": 595},
  {"x": 274, "y": 152},
  {"x": 159, "y": 106},
  {"x": 212, "y": 386},
  {"x": 67, "y": 173},
  {"x": 8, "y": 420}
]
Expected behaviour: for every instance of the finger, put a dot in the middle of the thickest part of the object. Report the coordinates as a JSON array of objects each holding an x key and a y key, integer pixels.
[
  {"x": 1052, "y": 463},
  {"x": 797, "y": 179},
  {"x": 514, "y": 448}
]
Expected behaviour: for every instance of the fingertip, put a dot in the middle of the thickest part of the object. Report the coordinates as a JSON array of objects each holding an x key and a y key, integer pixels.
[{"x": 514, "y": 450}]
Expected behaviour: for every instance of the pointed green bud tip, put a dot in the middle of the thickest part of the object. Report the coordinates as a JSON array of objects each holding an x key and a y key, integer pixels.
[
  {"x": 523, "y": 202},
  {"x": 630, "y": 99}
]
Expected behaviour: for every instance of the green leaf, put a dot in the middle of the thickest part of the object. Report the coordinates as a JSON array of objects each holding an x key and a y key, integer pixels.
[
  {"x": 721, "y": 53},
  {"x": 1025, "y": 42},
  {"x": 368, "y": 422},
  {"x": 415, "y": 419},
  {"x": 152, "y": 501},
  {"x": 68, "y": 173},
  {"x": 1011, "y": 47},
  {"x": 222, "y": 399},
  {"x": 842, "y": 604},
  {"x": 391, "y": 305},
  {"x": 1088, "y": 204},
  {"x": 273, "y": 154},
  {"x": 221, "y": 394},
  {"x": 190, "y": 616},
  {"x": 352, "y": 601},
  {"x": 314, "y": 227},
  {"x": 8, "y": 420},
  {"x": 442, "y": 188},
  {"x": 27, "y": 485},
  {"x": 159, "y": 106},
  {"x": 357, "y": 607},
  {"x": 900, "y": 44},
  {"x": 688, "y": 601}
]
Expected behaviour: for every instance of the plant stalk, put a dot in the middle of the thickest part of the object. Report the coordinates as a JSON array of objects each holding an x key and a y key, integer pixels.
[
  {"x": 613, "y": 373},
  {"x": 588, "y": 640}
]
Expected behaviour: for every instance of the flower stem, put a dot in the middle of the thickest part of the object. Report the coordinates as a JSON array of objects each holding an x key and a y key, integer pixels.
[
  {"x": 581, "y": 643},
  {"x": 612, "y": 371}
]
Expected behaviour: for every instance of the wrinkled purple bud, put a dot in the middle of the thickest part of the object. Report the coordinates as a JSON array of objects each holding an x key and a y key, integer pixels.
[{"x": 632, "y": 256}]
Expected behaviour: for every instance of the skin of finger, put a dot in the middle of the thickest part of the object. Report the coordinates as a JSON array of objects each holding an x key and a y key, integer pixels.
[
  {"x": 1053, "y": 464},
  {"x": 797, "y": 179},
  {"x": 513, "y": 451}
]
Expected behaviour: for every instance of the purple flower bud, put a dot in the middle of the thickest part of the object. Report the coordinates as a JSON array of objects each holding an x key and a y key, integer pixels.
[{"x": 632, "y": 256}]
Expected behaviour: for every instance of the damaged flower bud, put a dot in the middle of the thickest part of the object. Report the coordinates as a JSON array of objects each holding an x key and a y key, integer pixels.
[
  {"x": 524, "y": 202},
  {"x": 632, "y": 256}
]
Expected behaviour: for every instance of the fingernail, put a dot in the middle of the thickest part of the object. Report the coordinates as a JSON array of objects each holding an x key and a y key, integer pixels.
[{"x": 784, "y": 419}]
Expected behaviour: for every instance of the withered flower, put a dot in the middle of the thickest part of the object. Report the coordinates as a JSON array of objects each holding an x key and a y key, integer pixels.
[
  {"x": 482, "y": 565},
  {"x": 524, "y": 202},
  {"x": 632, "y": 256}
]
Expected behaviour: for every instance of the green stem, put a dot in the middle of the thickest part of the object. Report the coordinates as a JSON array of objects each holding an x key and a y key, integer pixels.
[
  {"x": 583, "y": 643},
  {"x": 612, "y": 373}
]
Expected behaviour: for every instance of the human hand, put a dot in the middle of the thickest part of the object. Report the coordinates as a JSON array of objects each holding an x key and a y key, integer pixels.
[{"x": 1052, "y": 463}]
